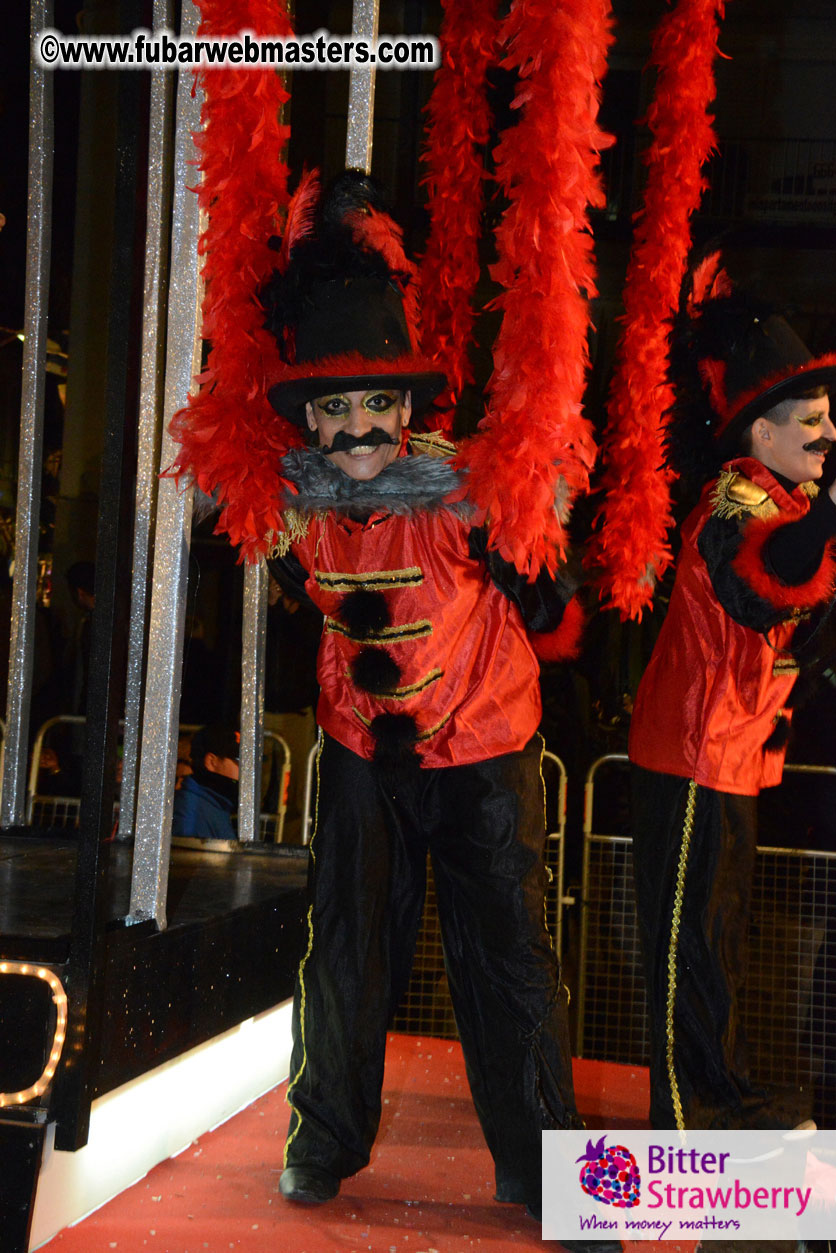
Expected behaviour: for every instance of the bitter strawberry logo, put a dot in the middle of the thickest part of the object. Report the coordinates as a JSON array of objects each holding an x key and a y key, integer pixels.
[{"x": 610, "y": 1174}]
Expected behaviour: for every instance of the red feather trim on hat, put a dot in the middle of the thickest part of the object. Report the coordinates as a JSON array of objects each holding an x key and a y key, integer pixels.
[
  {"x": 353, "y": 365},
  {"x": 459, "y": 126},
  {"x": 631, "y": 548},
  {"x": 535, "y": 448},
  {"x": 230, "y": 438},
  {"x": 564, "y": 643},
  {"x": 729, "y": 412},
  {"x": 750, "y": 565}
]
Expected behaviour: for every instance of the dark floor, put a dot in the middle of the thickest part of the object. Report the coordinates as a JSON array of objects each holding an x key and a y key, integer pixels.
[{"x": 37, "y": 882}]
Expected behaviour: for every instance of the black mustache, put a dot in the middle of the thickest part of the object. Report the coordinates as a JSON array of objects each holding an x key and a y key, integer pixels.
[
  {"x": 822, "y": 444},
  {"x": 343, "y": 442}
]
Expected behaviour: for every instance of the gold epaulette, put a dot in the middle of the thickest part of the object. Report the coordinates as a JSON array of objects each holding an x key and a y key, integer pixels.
[
  {"x": 433, "y": 443},
  {"x": 737, "y": 497},
  {"x": 295, "y": 529}
]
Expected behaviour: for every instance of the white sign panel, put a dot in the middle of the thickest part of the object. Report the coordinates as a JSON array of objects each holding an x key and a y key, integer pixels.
[{"x": 698, "y": 1185}]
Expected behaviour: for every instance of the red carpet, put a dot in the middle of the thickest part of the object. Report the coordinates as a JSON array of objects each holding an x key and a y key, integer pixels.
[{"x": 428, "y": 1188}]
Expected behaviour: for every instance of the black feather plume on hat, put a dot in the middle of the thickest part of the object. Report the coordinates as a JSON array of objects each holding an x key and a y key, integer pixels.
[
  {"x": 707, "y": 332},
  {"x": 327, "y": 251},
  {"x": 343, "y": 302}
]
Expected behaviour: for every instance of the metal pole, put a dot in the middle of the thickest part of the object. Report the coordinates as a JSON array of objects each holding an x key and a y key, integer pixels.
[
  {"x": 38, "y": 229},
  {"x": 75, "y": 1083},
  {"x": 158, "y": 757},
  {"x": 358, "y": 148},
  {"x": 150, "y": 411},
  {"x": 252, "y": 698}
]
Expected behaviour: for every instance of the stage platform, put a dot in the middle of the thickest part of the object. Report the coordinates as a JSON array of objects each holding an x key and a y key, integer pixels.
[
  {"x": 229, "y": 951},
  {"x": 428, "y": 1188},
  {"x": 37, "y": 875}
]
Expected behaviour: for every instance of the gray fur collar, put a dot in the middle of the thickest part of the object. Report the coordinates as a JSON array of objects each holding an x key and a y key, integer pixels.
[{"x": 408, "y": 485}]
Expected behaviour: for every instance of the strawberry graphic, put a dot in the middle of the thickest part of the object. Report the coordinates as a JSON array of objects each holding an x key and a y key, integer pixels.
[{"x": 610, "y": 1174}]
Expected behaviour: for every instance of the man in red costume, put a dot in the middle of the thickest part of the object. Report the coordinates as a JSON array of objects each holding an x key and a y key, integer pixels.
[
  {"x": 754, "y": 577},
  {"x": 428, "y": 711}
]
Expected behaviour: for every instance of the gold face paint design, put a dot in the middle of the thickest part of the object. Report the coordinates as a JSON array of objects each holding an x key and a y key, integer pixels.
[
  {"x": 374, "y": 403},
  {"x": 810, "y": 419},
  {"x": 796, "y": 449},
  {"x": 368, "y": 423}
]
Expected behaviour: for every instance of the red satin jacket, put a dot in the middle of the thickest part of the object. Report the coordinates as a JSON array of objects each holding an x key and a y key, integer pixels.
[
  {"x": 469, "y": 675},
  {"x": 717, "y": 684}
]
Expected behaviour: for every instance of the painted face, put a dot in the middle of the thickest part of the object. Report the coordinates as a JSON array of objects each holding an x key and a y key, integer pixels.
[
  {"x": 796, "y": 448},
  {"x": 360, "y": 432}
]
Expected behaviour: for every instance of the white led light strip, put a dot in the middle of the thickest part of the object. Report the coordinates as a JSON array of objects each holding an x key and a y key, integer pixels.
[{"x": 59, "y": 996}]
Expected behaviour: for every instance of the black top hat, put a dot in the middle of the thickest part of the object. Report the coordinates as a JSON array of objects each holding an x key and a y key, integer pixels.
[
  {"x": 733, "y": 358},
  {"x": 766, "y": 362},
  {"x": 340, "y": 305}
]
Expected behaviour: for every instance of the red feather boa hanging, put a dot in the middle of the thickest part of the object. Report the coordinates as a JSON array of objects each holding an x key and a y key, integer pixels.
[
  {"x": 535, "y": 448},
  {"x": 230, "y": 437},
  {"x": 459, "y": 126},
  {"x": 632, "y": 547}
]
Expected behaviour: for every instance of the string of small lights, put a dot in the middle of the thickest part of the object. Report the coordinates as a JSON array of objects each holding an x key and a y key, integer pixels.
[{"x": 59, "y": 998}]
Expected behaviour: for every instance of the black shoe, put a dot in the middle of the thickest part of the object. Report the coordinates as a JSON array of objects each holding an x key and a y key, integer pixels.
[
  {"x": 509, "y": 1194},
  {"x": 308, "y": 1185}
]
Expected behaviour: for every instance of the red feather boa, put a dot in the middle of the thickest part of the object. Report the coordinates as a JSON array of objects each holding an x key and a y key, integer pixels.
[
  {"x": 231, "y": 439},
  {"x": 632, "y": 547},
  {"x": 749, "y": 564},
  {"x": 459, "y": 125},
  {"x": 535, "y": 448}
]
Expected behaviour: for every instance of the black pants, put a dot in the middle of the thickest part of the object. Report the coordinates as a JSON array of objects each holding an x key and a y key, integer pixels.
[
  {"x": 693, "y": 857},
  {"x": 484, "y": 827}
]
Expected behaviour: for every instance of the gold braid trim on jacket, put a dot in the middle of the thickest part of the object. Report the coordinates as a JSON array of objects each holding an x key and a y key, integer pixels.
[{"x": 295, "y": 529}]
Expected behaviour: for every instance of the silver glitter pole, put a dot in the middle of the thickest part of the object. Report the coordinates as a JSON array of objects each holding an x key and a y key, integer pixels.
[
  {"x": 27, "y": 518},
  {"x": 252, "y": 698},
  {"x": 150, "y": 411},
  {"x": 158, "y": 758},
  {"x": 358, "y": 147}
]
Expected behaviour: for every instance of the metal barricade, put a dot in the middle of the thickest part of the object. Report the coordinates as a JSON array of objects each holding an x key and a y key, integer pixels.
[
  {"x": 612, "y": 1010},
  {"x": 790, "y": 994},
  {"x": 47, "y": 809},
  {"x": 271, "y": 825},
  {"x": 555, "y": 851},
  {"x": 58, "y": 811},
  {"x": 309, "y": 818}
]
